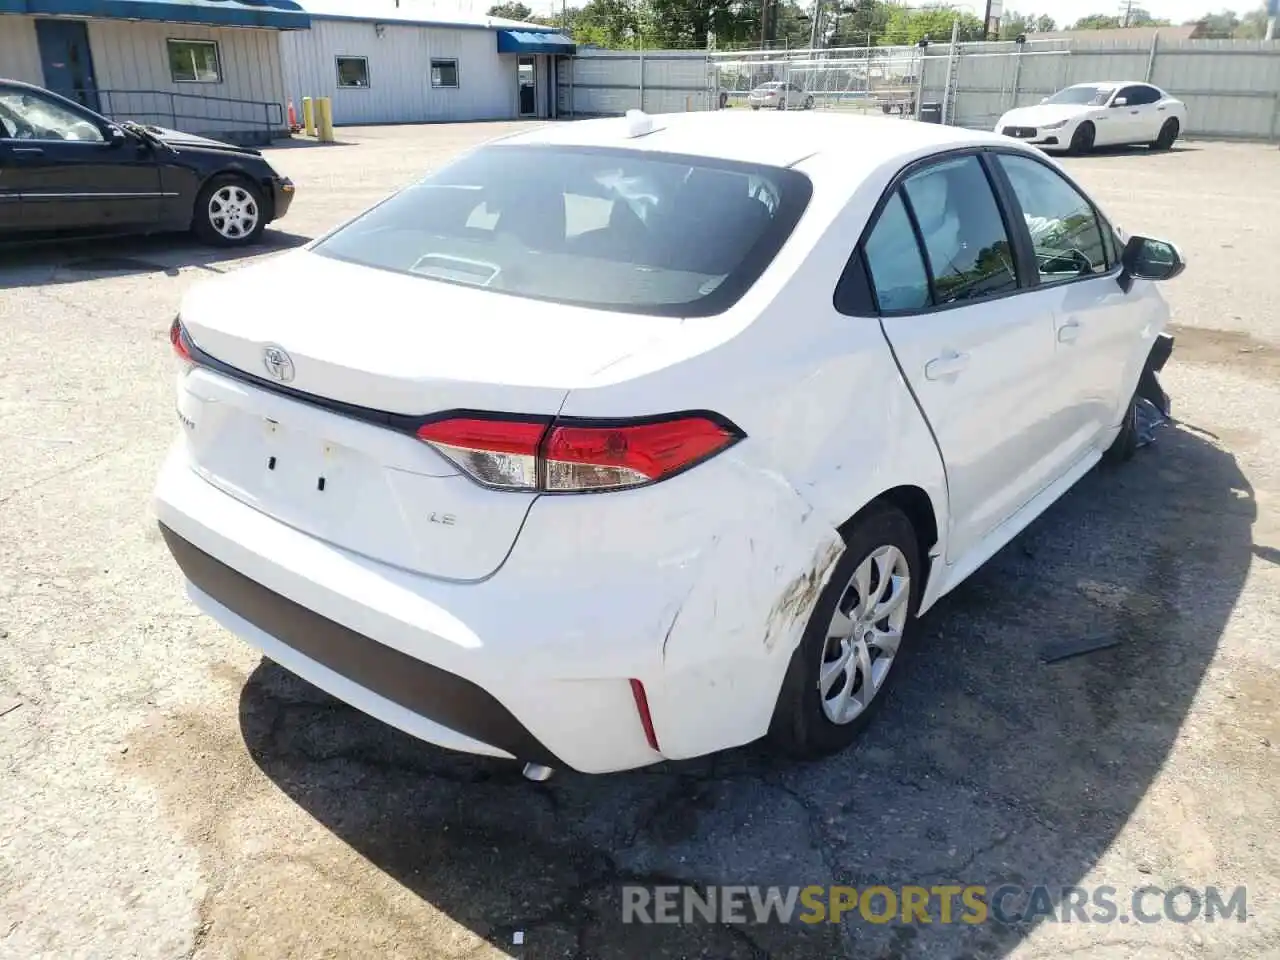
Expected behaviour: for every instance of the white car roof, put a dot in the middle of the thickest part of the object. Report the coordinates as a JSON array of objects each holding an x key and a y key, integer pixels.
[
  {"x": 779, "y": 139},
  {"x": 1111, "y": 83}
]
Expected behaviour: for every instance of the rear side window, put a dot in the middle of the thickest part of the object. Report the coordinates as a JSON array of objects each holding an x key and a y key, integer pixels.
[
  {"x": 622, "y": 230},
  {"x": 893, "y": 260},
  {"x": 964, "y": 237}
]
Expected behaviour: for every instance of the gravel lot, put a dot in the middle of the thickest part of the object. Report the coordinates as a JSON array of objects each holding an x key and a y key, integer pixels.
[{"x": 165, "y": 793}]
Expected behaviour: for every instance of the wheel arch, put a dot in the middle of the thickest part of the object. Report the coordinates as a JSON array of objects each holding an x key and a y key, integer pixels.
[
  {"x": 239, "y": 172},
  {"x": 919, "y": 508}
]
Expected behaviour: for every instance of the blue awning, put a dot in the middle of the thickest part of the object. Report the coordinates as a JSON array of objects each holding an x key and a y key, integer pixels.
[
  {"x": 280, "y": 14},
  {"x": 520, "y": 41}
]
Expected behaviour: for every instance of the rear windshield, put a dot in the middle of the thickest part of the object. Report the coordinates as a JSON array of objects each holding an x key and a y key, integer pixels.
[{"x": 622, "y": 230}]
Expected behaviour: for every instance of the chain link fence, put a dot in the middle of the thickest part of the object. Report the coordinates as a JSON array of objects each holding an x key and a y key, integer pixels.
[
  {"x": 1231, "y": 87},
  {"x": 856, "y": 79}
]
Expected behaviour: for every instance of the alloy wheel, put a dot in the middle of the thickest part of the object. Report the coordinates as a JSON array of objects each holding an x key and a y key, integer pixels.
[
  {"x": 233, "y": 212},
  {"x": 864, "y": 634}
]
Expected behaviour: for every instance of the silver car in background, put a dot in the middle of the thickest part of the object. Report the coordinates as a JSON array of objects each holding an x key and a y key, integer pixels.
[{"x": 779, "y": 95}]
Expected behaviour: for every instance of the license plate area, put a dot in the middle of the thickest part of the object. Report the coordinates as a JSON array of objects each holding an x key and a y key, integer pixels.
[
  {"x": 300, "y": 464},
  {"x": 302, "y": 478}
]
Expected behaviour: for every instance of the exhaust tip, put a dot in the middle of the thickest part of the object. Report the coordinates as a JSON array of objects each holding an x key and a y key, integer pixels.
[{"x": 537, "y": 772}]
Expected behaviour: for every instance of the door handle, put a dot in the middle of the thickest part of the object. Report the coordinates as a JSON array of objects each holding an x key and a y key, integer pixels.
[
  {"x": 1069, "y": 332},
  {"x": 1134, "y": 112},
  {"x": 28, "y": 151},
  {"x": 948, "y": 365}
]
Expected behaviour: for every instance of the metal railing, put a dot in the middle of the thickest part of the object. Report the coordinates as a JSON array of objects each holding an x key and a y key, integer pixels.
[{"x": 191, "y": 112}]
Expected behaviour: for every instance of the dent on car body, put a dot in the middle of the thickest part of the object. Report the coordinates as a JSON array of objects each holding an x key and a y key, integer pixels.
[{"x": 769, "y": 568}]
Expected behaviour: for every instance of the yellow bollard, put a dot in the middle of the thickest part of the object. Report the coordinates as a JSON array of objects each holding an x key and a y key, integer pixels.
[
  {"x": 324, "y": 119},
  {"x": 308, "y": 117}
]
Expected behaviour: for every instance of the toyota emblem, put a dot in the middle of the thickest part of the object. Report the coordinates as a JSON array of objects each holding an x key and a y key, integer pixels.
[{"x": 278, "y": 363}]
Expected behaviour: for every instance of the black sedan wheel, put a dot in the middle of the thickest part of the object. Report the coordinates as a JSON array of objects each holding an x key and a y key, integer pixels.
[
  {"x": 1082, "y": 139},
  {"x": 229, "y": 212}
]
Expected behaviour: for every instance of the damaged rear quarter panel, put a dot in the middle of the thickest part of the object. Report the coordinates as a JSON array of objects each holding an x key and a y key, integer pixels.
[{"x": 733, "y": 635}]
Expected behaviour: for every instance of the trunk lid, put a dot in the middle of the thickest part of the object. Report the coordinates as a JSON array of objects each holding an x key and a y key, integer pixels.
[{"x": 391, "y": 343}]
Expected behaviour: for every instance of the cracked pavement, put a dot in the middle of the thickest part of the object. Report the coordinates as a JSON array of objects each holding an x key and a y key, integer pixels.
[{"x": 166, "y": 793}]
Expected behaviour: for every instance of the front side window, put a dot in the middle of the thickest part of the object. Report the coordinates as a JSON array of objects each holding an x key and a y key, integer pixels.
[
  {"x": 28, "y": 116},
  {"x": 963, "y": 234},
  {"x": 444, "y": 73},
  {"x": 194, "y": 61},
  {"x": 353, "y": 72},
  {"x": 1064, "y": 228},
  {"x": 620, "y": 230},
  {"x": 898, "y": 274}
]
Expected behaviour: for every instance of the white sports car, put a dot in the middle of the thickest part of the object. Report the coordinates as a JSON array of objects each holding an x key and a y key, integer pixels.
[
  {"x": 634, "y": 439},
  {"x": 1089, "y": 115}
]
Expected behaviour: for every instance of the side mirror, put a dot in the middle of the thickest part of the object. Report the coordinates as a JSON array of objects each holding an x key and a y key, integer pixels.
[
  {"x": 115, "y": 136},
  {"x": 1044, "y": 99},
  {"x": 1147, "y": 259},
  {"x": 1120, "y": 102}
]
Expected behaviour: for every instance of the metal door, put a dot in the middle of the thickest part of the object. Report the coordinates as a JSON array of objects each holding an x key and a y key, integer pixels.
[{"x": 67, "y": 62}]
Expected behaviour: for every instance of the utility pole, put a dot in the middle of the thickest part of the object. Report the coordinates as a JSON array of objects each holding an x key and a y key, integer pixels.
[
  {"x": 813, "y": 30},
  {"x": 1128, "y": 13}
]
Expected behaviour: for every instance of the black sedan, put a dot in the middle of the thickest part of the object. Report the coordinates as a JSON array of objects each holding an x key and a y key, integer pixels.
[{"x": 67, "y": 170}]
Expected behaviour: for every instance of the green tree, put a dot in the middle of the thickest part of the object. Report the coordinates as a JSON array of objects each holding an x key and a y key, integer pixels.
[
  {"x": 1137, "y": 18},
  {"x": 511, "y": 10},
  {"x": 1096, "y": 21},
  {"x": 1216, "y": 26},
  {"x": 909, "y": 26},
  {"x": 860, "y": 24},
  {"x": 1253, "y": 26},
  {"x": 614, "y": 24},
  {"x": 1014, "y": 25}
]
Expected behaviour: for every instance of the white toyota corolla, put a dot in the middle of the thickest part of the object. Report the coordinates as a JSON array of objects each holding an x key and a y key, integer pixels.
[
  {"x": 641, "y": 438},
  {"x": 1088, "y": 115}
]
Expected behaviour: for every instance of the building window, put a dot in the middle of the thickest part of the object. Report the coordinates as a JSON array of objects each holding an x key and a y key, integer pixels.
[
  {"x": 444, "y": 73},
  {"x": 194, "y": 61},
  {"x": 353, "y": 72}
]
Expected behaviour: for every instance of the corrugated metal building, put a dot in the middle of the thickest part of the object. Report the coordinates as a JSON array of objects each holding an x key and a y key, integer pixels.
[
  {"x": 205, "y": 66},
  {"x": 386, "y": 62}
]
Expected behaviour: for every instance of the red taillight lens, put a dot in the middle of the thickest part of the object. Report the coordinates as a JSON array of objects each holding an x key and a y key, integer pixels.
[
  {"x": 577, "y": 456},
  {"x": 180, "y": 342},
  {"x": 602, "y": 458},
  {"x": 497, "y": 453}
]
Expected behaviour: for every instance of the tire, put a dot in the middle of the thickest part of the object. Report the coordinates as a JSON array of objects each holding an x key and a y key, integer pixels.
[
  {"x": 754, "y": 107},
  {"x": 1082, "y": 139},
  {"x": 808, "y": 103},
  {"x": 724, "y": 100},
  {"x": 1125, "y": 445},
  {"x": 803, "y": 725},
  {"x": 240, "y": 197},
  {"x": 1168, "y": 134},
  {"x": 782, "y": 104},
  {"x": 886, "y": 108}
]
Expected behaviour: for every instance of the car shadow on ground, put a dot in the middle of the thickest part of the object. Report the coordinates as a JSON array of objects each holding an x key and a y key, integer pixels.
[
  {"x": 73, "y": 261},
  {"x": 302, "y": 142},
  {"x": 986, "y": 766},
  {"x": 1136, "y": 150}
]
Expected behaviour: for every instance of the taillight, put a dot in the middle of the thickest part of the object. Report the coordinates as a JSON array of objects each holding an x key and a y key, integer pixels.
[
  {"x": 577, "y": 456},
  {"x": 180, "y": 342},
  {"x": 497, "y": 453}
]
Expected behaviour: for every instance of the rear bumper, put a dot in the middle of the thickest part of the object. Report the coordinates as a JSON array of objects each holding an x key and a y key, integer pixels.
[
  {"x": 443, "y": 698},
  {"x": 512, "y": 666},
  {"x": 699, "y": 590}
]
